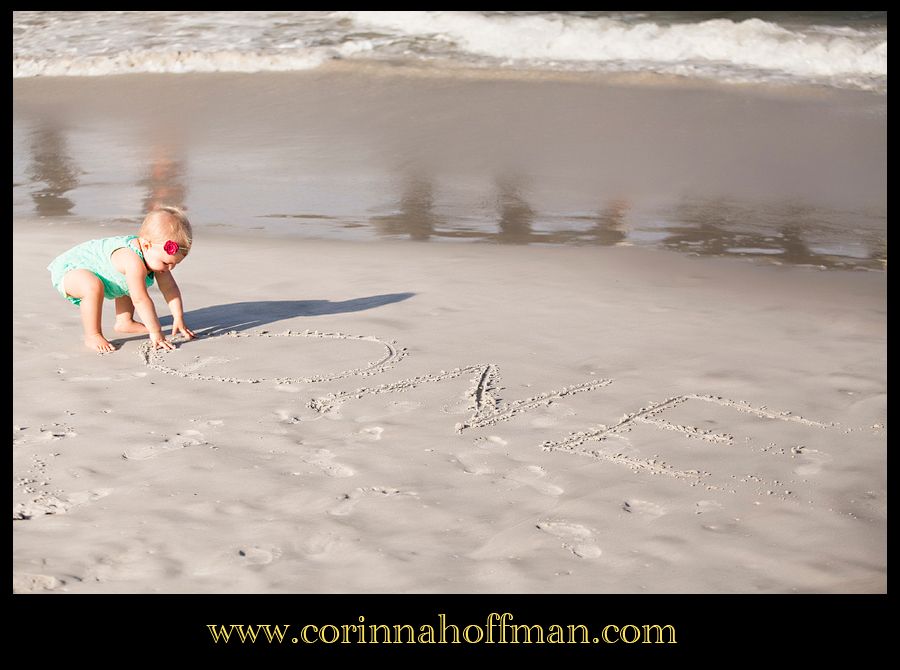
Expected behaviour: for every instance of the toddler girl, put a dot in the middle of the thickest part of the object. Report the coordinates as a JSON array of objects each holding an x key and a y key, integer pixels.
[{"x": 121, "y": 269}]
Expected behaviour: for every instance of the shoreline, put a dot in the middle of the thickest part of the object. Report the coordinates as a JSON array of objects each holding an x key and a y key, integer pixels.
[
  {"x": 454, "y": 70},
  {"x": 88, "y": 228},
  {"x": 342, "y": 153}
]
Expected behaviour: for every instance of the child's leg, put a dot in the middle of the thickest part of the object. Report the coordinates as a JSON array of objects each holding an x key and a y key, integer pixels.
[
  {"x": 125, "y": 322},
  {"x": 87, "y": 286}
]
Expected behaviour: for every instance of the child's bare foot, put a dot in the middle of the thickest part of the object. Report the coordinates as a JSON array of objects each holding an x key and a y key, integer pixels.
[
  {"x": 98, "y": 343},
  {"x": 130, "y": 326}
]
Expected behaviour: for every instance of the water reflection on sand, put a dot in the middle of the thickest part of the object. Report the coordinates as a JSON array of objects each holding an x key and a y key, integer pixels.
[
  {"x": 785, "y": 233},
  {"x": 788, "y": 232},
  {"x": 411, "y": 169},
  {"x": 51, "y": 170}
]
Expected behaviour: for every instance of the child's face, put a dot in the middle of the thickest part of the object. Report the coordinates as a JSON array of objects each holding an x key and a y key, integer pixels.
[{"x": 157, "y": 255}]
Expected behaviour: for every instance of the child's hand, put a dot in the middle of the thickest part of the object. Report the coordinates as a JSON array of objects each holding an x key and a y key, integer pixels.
[
  {"x": 179, "y": 327},
  {"x": 159, "y": 341}
]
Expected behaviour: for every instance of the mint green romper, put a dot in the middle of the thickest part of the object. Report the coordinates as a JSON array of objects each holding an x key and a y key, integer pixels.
[{"x": 96, "y": 256}]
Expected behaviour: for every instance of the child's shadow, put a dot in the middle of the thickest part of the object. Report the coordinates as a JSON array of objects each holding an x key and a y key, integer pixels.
[{"x": 245, "y": 315}]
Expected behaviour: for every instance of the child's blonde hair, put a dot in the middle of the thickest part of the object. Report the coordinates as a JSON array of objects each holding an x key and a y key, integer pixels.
[{"x": 168, "y": 223}]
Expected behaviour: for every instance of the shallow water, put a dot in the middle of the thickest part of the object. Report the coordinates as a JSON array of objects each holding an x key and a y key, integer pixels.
[{"x": 786, "y": 176}]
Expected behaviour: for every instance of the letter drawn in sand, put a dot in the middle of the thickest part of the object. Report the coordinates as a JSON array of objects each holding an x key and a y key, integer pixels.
[
  {"x": 393, "y": 354},
  {"x": 487, "y": 408},
  {"x": 575, "y": 443},
  {"x": 484, "y": 404}
]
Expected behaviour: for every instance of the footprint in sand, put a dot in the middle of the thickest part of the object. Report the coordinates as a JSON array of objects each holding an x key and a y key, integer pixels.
[
  {"x": 874, "y": 502},
  {"x": 393, "y": 408},
  {"x": 18, "y": 434},
  {"x": 24, "y": 582},
  {"x": 58, "y": 431},
  {"x": 84, "y": 497},
  {"x": 373, "y": 433},
  {"x": 552, "y": 415},
  {"x": 40, "y": 506},
  {"x": 809, "y": 461},
  {"x": 43, "y": 504},
  {"x": 322, "y": 545},
  {"x": 490, "y": 442},
  {"x": 403, "y": 406},
  {"x": 576, "y": 538},
  {"x": 477, "y": 463},
  {"x": 295, "y": 417},
  {"x": 324, "y": 461},
  {"x": 256, "y": 555},
  {"x": 81, "y": 471},
  {"x": 643, "y": 508},
  {"x": 707, "y": 506},
  {"x": 246, "y": 555},
  {"x": 198, "y": 363},
  {"x": 182, "y": 440},
  {"x": 474, "y": 463},
  {"x": 533, "y": 476},
  {"x": 352, "y": 499}
]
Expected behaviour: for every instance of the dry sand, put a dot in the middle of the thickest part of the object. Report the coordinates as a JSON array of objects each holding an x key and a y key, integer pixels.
[{"x": 442, "y": 418}]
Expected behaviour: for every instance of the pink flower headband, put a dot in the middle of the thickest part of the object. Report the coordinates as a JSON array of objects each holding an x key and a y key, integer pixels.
[{"x": 170, "y": 247}]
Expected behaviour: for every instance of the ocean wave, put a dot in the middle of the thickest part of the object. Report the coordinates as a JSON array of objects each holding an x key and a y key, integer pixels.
[
  {"x": 175, "y": 62},
  {"x": 178, "y": 61},
  {"x": 817, "y": 52},
  {"x": 750, "y": 50}
]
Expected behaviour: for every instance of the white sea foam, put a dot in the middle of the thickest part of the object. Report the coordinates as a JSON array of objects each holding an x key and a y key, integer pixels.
[
  {"x": 104, "y": 43},
  {"x": 721, "y": 45},
  {"x": 101, "y": 43},
  {"x": 172, "y": 62}
]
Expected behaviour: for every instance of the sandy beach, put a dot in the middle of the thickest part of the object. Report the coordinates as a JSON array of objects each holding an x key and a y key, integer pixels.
[
  {"x": 461, "y": 331},
  {"x": 385, "y": 417}
]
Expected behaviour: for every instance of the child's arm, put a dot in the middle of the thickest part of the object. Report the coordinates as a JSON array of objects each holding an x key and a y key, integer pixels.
[
  {"x": 172, "y": 294},
  {"x": 131, "y": 265}
]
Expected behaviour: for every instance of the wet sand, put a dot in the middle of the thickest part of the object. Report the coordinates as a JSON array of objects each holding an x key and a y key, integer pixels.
[{"x": 779, "y": 175}]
